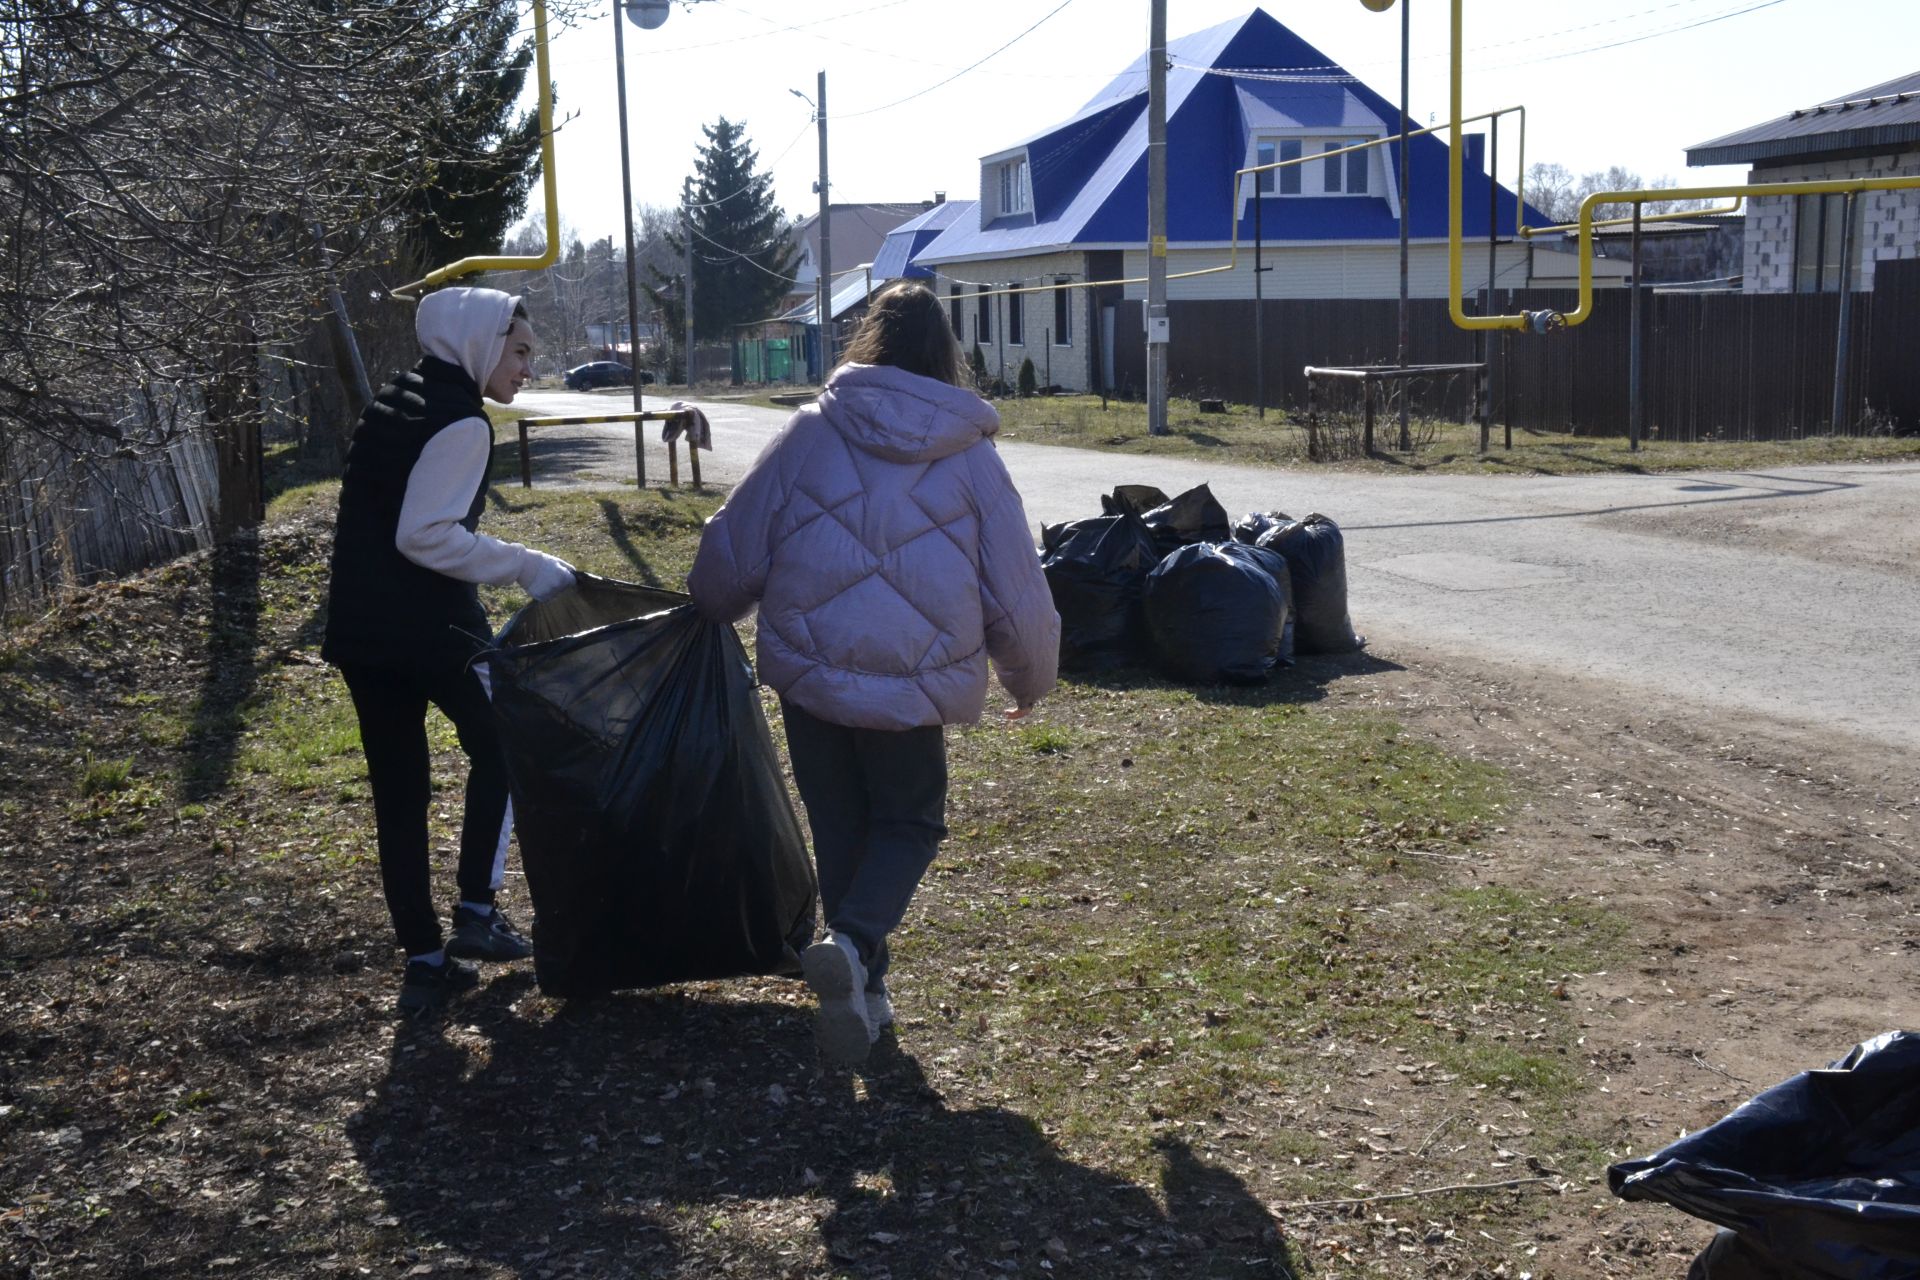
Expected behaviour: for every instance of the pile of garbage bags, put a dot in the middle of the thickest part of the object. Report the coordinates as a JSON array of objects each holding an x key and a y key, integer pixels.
[
  {"x": 1816, "y": 1177},
  {"x": 1171, "y": 581},
  {"x": 656, "y": 832}
]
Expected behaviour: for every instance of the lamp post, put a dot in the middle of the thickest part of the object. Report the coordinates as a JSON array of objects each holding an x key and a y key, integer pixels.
[{"x": 647, "y": 15}]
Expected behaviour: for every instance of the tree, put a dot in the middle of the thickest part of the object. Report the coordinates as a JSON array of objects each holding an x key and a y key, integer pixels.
[
  {"x": 743, "y": 253},
  {"x": 481, "y": 158},
  {"x": 1555, "y": 191},
  {"x": 184, "y": 183}
]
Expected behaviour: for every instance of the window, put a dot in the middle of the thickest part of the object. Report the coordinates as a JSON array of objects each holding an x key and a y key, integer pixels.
[
  {"x": 1347, "y": 174},
  {"x": 1290, "y": 176},
  {"x": 983, "y": 317},
  {"x": 958, "y": 316},
  {"x": 1062, "y": 313},
  {"x": 1016, "y": 317},
  {"x": 1013, "y": 187},
  {"x": 1818, "y": 229}
]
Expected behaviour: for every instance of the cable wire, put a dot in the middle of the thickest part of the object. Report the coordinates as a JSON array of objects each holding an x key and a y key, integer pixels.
[{"x": 847, "y": 115}]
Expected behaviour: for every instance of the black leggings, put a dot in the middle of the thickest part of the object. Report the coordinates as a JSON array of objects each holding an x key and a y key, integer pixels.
[{"x": 392, "y": 705}]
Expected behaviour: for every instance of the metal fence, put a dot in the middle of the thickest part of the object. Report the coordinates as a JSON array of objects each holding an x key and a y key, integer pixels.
[{"x": 1717, "y": 365}]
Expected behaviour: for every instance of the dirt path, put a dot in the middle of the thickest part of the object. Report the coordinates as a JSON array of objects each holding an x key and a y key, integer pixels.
[{"x": 1771, "y": 878}]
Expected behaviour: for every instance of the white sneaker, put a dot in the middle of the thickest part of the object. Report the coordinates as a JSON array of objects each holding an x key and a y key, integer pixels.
[
  {"x": 839, "y": 980},
  {"x": 879, "y": 1010}
]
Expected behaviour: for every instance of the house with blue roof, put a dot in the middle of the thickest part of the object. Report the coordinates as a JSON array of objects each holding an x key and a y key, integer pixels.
[{"x": 1067, "y": 208}]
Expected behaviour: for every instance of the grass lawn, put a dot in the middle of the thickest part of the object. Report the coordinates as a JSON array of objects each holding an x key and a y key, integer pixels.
[
  {"x": 1239, "y": 436},
  {"x": 1198, "y": 972}
]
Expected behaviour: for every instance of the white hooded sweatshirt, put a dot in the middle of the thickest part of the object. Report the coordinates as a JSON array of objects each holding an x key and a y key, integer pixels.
[{"x": 468, "y": 328}]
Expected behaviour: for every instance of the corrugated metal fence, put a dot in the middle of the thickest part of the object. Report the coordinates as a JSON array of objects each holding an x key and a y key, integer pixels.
[{"x": 1717, "y": 365}]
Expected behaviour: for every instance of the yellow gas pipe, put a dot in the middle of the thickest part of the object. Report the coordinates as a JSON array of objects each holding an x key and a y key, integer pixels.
[
  {"x": 1546, "y": 321},
  {"x": 549, "y": 185}
]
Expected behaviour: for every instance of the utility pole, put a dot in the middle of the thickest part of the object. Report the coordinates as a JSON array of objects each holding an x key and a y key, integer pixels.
[
  {"x": 1406, "y": 434},
  {"x": 687, "y": 214},
  {"x": 1259, "y": 312},
  {"x": 626, "y": 206},
  {"x": 825, "y": 306},
  {"x": 1157, "y": 220}
]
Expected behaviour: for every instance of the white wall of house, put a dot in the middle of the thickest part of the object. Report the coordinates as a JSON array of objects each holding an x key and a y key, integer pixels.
[
  {"x": 1888, "y": 226},
  {"x": 1063, "y": 357},
  {"x": 1369, "y": 270}
]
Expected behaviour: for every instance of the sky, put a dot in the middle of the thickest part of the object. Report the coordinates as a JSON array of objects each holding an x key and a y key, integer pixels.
[{"x": 1605, "y": 82}]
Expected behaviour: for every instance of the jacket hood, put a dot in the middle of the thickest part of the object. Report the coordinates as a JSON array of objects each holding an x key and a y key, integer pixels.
[
  {"x": 466, "y": 328},
  {"x": 904, "y": 417}
]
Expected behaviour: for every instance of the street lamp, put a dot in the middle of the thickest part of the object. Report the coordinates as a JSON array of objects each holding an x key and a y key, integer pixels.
[
  {"x": 648, "y": 15},
  {"x": 823, "y": 273}
]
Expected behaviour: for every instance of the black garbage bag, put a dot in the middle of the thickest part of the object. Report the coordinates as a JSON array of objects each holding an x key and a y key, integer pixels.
[
  {"x": 1276, "y": 566},
  {"x": 1194, "y": 516},
  {"x": 1251, "y": 526},
  {"x": 1317, "y": 556},
  {"x": 1096, "y": 570},
  {"x": 1816, "y": 1177},
  {"x": 1216, "y": 614},
  {"x": 656, "y": 831}
]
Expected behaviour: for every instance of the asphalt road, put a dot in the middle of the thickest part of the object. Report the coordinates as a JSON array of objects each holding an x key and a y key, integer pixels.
[{"x": 1789, "y": 594}]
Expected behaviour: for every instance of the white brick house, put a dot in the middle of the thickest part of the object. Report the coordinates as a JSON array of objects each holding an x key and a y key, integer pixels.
[{"x": 1794, "y": 244}]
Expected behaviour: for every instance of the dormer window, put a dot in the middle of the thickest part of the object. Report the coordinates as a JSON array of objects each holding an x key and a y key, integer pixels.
[
  {"x": 1007, "y": 187},
  {"x": 1350, "y": 174}
]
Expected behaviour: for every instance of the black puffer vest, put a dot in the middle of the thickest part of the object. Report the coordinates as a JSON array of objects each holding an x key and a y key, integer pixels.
[{"x": 382, "y": 608}]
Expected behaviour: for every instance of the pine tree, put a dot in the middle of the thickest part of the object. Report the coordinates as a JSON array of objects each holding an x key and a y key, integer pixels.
[
  {"x": 482, "y": 158},
  {"x": 743, "y": 256}
]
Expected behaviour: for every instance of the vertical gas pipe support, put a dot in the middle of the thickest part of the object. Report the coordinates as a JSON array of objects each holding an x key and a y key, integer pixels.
[
  {"x": 1636, "y": 345},
  {"x": 1843, "y": 339}
]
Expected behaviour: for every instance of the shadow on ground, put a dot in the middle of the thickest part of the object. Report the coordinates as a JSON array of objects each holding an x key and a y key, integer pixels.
[
  {"x": 1304, "y": 682},
  {"x": 657, "y": 1134}
]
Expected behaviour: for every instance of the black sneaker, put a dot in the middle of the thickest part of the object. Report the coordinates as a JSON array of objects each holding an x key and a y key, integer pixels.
[
  {"x": 427, "y": 986},
  {"x": 488, "y": 937}
]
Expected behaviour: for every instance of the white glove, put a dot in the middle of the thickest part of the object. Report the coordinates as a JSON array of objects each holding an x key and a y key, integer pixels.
[{"x": 544, "y": 576}]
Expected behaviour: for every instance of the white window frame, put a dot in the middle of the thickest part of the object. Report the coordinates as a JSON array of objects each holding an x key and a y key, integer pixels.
[
  {"x": 1006, "y": 184},
  {"x": 1312, "y": 173}
]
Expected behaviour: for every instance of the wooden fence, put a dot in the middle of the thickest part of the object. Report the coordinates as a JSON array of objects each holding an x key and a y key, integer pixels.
[
  {"x": 1716, "y": 365},
  {"x": 69, "y": 517}
]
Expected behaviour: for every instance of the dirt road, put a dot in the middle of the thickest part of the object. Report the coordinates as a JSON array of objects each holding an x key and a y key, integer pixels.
[{"x": 1789, "y": 595}]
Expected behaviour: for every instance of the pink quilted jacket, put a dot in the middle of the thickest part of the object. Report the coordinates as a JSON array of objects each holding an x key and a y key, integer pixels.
[{"x": 890, "y": 555}]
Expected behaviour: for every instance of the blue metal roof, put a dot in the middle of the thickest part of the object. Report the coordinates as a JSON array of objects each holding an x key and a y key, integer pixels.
[
  {"x": 1089, "y": 174},
  {"x": 896, "y": 255},
  {"x": 849, "y": 291}
]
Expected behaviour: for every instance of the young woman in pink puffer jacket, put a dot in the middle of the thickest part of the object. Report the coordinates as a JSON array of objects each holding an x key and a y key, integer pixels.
[{"x": 890, "y": 556}]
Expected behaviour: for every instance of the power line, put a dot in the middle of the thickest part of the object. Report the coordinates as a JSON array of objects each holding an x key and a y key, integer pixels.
[
  {"x": 846, "y": 115},
  {"x": 1649, "y": 35}
]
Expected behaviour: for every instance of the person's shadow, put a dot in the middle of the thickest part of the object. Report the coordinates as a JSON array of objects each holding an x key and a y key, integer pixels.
[{"x": 660, "y": 1134}]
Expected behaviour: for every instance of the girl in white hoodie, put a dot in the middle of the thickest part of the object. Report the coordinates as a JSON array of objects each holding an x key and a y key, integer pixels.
[{"x": 404, "y": 619}]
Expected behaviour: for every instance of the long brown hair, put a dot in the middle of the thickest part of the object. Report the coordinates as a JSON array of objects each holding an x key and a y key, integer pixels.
[{"x": 907, "y": 328}]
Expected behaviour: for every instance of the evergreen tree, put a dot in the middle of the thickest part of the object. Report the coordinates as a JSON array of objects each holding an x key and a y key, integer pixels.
[
  {"x": 480, "y": 157},
  {"x": 743, "y": 255}
]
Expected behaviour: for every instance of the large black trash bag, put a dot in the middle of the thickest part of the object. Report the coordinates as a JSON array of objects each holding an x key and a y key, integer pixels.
[
  {"x": 1251, "y": 526},
  {"x": 1277, "y": 568},
  {"x": 1317, "y": 556},
  {"x": 1817, "y": 1177},
  {"x": 1194, "y": 516},
  {"x": 1216, "y": 614},
  {"x": 1097, "y": 569},
  {"x": 655, "y": 828}
]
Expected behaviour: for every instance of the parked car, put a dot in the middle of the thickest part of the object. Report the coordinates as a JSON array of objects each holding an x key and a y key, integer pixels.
[{"x": 602, "y": 373}]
